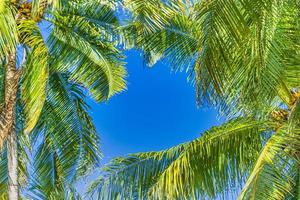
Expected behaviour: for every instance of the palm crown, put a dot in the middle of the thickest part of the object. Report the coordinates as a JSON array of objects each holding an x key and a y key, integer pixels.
[
  {"x": 80, "y": 43},
  {"x": 56, "y": 71}
]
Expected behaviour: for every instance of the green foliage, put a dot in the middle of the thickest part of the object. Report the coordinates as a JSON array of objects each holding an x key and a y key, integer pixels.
[
  {"x": 63, "y": 147},
  {"x": 8, "y": 28},
  {"x": 81, "y": 43},
  {"x": 242, "y": 56},
  {"x": 219, "y": 160},
  {"x": 88, "y": 34},
  {"x": 237, "y": 52},
  {"x": 35, "y": 72},
  {"x": 262, "y": 154},
  {"x": 57, "y": 71}
]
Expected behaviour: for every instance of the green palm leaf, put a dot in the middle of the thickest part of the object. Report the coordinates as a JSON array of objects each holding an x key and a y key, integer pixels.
[
  {"x": 273, "y": 176},
  {"x": 94, "y": 61},
  {"x": 205, "y": 167},
  {"x": 35, "y": 72},
  {"x": 8, "y": 28},
  {"x": 80, "y": 53},
  {"x": 69, "y": 139},
  {"x": 235, "y": 51},
  {"x": 276, "y": 167}
]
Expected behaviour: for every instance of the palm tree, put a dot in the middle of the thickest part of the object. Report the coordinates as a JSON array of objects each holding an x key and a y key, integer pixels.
[
  {"x": 63, "y": 146},
  {"x": 243, "y": 56},
  {"x": 80, "y": 47}
]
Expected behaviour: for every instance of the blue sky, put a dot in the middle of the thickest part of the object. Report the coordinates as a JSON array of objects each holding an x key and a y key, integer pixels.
[{"x": 157, "y": 111}]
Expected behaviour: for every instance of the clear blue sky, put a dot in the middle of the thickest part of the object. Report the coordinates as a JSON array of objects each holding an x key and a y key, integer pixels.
[{"x": 157, "y": 111}]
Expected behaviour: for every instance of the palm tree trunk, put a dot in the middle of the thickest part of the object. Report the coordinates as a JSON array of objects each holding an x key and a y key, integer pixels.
[
  {"x": 7, "y": 119},
  {"x": 12, "y": 157},
  {"x": 11, "y": 86}
]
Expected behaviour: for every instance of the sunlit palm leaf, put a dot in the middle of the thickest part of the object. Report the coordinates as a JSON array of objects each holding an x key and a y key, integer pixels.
[
  {"x": 235, "y": 50},
  {"x": 276, "y": 166},
  {"x": 68, "y": 133},
  {"x": 204, "y": 167},
  {"x": 94, "y": 60},
  {"x": 275, "y": 169},
  {"x": 8, "y": 28},
  {"x": 82, "y": 46},
  {"x": 35, "y": 72},
  {"x": 39, "y": 7}
]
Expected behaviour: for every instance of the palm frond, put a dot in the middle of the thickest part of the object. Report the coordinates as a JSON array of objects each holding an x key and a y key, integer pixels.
[
  {"x": 94, "y": 60},
  {"x": 206, "y": 167},
  {"x": 290, "y": 29},
  {"x": 8, "y": 28},
  {"x": 49, "y": 172},
  {"x": 235, "y": 51},
  {"x": 275, "y": 169},
  {"x": 39, "y": 7},
  {"x": 3, "y": 174},
  {"x": 69, "y": 139},
  {"x": 277, "y": 165},
  {"x": 193, "y": 36},
  {"x": 34, "y": 73}
]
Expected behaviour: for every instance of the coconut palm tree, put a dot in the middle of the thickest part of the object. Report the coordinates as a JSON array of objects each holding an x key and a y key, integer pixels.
[
  {"x": 63, "y": 147},
  {"x": 243, "y": 57},
  {"x": 81, "y": 47}
]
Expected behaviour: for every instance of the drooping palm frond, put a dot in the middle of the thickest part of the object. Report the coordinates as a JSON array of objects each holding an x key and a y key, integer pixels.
[
  {"x": 3, "y": 175},
  {"x": 34, "y": 72},
  {"x": 193, "y": 35},
  {"x": 277, "y": 166},
  {"x": 275, "y": 173},
  {"x": 49, "y": 181},
  {"x": 290, "y": 29},
  {"x": 8, "y": 28},
  {"x": 65, "y": 146},
  {"x": 69, "y": 145},
  {"x": 259, "y": 65},
  {"x": 94, "y": 62},
  {"x": 39, "y": 7},
  {"x": 206, "y": 167}
]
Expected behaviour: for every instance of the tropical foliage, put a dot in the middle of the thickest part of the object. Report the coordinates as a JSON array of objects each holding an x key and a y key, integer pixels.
[
  {"x": 56, "y": 71},
  {"x": 228, "y": 47},
  {"x": 242, "y": 55},
  {"x": 213, "y": 166}
]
